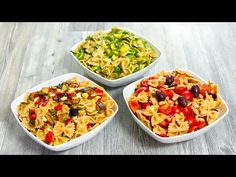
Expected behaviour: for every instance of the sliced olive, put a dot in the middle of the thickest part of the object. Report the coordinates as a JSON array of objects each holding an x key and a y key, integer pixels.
[
  {"x": 85, "y": 89},
  {"x": 160, "y": 96},
  {"x": 169, "y": 79},
  {"x": 214, "y": 96},
  {"x": 59, "y": 86},
  {"x": 73, "y": 112},
  {"x": 101, "y": 105},
  {"x": 32, "y": 122},
  {"x": 195, "y": 91},
  {"x": 182, "y": 101}
]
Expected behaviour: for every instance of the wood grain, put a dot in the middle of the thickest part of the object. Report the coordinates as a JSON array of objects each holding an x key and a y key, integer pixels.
[{"x": 35, "y": 52}]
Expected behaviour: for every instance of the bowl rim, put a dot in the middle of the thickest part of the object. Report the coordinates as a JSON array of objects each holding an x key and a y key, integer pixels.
[
  {"x": 130, "y": 86},
  {"x": 61, "y": 79},
  {"x": 156, "y": 59}
]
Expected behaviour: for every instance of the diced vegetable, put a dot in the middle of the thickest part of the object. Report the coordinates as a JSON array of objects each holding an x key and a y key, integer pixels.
[
  {"x": 58, "y": 107},
  {"x": 49, "y": 137},
  {"x": 134, "y": 106}
]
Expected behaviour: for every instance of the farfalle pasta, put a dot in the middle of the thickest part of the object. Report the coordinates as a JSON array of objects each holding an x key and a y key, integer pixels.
[
  {"x": 60, "y": 113},
  {"x": 115, "y": 54},
  {"x": 175, "y": 103}
]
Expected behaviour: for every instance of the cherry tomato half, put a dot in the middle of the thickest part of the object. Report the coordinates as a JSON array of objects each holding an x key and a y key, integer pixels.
[
  {"x": 58, "y": 107},
  {"x": 192, "y": 128},
  {"x": 134, "y": 106},
  {"x": 187, "y": 111},
  {"x": 167, "y": 110},
  {"x": 180, "y": 90},
  {"x": 140, "y": 89},
  {"x": 98, "y": 91},
  {"x": 176, "y": 109},
  {"x": 168, "y": 93},
  {"x": 144, "y": 83},
  {"x": 191, "y": 121},
  {"x": 203, "y": 89},
  {"x": 164, "y": 123},
  {"x": 49, "y": 137},
  {"x": 144, "y": 105},
  {"x": 188, "y": 95}
]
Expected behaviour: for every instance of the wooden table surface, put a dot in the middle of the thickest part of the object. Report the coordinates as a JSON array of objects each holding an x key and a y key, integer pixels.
[{"x": 35, "y": 52}]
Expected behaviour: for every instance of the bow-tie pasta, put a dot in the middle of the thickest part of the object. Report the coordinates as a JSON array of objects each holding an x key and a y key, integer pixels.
[
  {"x": 63, "y": 112},
  {"x": 175, "y": 103},
  {"x": 114, "y": 54}
]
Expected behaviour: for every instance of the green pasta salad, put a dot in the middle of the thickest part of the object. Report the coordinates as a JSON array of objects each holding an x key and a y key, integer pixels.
[{"x": 114, "y": 54}]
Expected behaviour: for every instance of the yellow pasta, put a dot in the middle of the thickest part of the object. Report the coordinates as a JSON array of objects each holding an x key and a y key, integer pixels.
[
  {"x": 159, "y": 130},
  {"x": 60, "y": 140},
  {"x": 40, "y": 134},
  {"x": 69, "y": 130},
  {"x": 142, "y": 97},
  {"x": 60, "y": 113},
  {"x": 58, "y": 128},
  {"x": 175, "y": 103},
  {"x": 176, "y": 128}
]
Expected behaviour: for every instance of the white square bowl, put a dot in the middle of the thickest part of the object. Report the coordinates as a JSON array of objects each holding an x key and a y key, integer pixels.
[
  {"x": 72, "y": 143},
  {"x": 124, "y": 80},
  {"x": 128, "y": 90}
]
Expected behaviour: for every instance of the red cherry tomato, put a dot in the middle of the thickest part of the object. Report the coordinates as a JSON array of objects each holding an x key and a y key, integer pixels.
[
  {"x": 187, "y": 111},
  {"x": 164, "y": 123},
  {"x": 167, "y": 110},
  {"x": 203, "y": 89},
  {"x": 32, "y": 116},
  {"x": 68, "y": 121},
  {"x": 144, "y": 83},
  {"x": 176, "y": 109},
  {"x": 200, "y": 124},
  {"x": 32, "y": 111},
  {"x": 191, "y": 121},
  {"x": 144, "y": 105},
  {"x": 98, "y": 91},
  {"x": 192, "y": 129},
  {"x": 180, "y": 90},
  {"x": 49, "y": 137},
  {"x": 140, "y": 89},
  {"x": 134, "y": 106},
  {"x": 58, "y": 107},
  {"x": 168, "y": 93},
  {"x": 188, "y": 95}
]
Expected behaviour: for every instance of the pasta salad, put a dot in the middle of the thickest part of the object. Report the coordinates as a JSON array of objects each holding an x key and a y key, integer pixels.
[
  {"x": 175, "y": 103},
  {"x": 114, "y": 54},
  {"x": 60, "y": 113}
]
